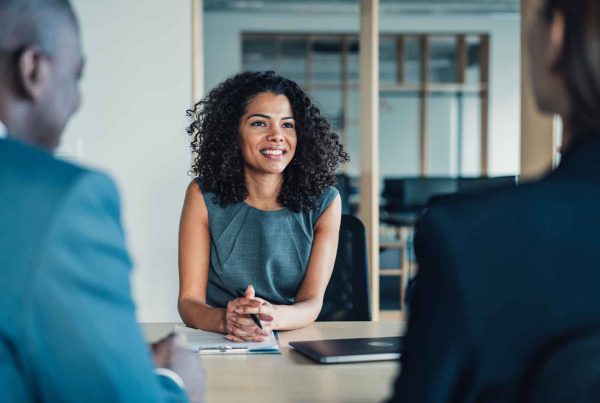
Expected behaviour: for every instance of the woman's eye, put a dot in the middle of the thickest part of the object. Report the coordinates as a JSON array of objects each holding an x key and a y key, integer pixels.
[
  {"x": 258, "y": 123},
  {"x": 288, "y": 125}
]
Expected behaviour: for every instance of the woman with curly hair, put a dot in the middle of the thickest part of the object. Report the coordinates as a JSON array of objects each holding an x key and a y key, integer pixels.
[{"x": 260, "y": 222}]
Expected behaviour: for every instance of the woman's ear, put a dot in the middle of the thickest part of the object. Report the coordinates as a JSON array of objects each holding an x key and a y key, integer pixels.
[{"x": 557, "y": 40}]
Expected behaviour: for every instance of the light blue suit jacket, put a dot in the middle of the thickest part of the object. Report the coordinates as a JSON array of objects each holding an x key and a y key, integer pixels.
[{"x": 67, "y": 321}]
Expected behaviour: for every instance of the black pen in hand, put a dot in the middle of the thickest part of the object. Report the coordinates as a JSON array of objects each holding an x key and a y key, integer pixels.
[{"x": 254, "y": 317}]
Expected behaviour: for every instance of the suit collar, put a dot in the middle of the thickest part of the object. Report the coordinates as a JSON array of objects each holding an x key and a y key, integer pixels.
[{"x": 582, "y": 159}]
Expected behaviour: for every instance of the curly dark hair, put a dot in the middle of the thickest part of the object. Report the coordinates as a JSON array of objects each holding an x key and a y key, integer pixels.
[{"x": 216, "y": 119}]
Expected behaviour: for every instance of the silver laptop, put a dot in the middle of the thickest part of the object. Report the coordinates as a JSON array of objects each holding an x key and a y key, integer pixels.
[{"x": 350, "y": 350}]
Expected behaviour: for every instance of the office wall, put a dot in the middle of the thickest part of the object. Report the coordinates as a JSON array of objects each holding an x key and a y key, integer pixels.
[
  {"x": 223, "y": 58},
  {"x": 136, "y": 89}
]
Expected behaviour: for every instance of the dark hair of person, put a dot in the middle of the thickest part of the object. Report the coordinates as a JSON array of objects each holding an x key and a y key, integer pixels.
[
  {"x": 218, "y": 162},
  {"x": 580, "y": 60}
]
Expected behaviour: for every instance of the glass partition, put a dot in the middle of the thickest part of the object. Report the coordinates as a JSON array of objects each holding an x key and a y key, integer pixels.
[{"x": 433, "y": 94}]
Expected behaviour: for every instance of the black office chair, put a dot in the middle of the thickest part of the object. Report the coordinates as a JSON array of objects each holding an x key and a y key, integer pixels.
[
  {"x": 345, "y": 189},
  {"x": 479, "y": 184},
  {"x": 347, "y": 294},
  {"x": 566, "y": 370},
  {"x": 411, "y": 194}
]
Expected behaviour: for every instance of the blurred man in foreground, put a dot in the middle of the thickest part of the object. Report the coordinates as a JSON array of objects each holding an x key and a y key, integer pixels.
[{"x": 68, "y": 329}]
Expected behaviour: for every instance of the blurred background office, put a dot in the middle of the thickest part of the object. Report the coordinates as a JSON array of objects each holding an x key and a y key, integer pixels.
[{"x": 449, "y": 94}]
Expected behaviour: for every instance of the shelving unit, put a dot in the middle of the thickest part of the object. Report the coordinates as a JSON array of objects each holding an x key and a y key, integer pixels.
[{"x": 407, "y": 264}]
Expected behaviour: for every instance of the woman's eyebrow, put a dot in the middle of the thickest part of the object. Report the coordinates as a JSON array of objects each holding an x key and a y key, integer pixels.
[
  {"x": 259, "y": 115},
  {"x": 262, "y": 115}
]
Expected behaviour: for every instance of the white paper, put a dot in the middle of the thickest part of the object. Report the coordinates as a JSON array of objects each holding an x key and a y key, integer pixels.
[{"x": 199, "y": 340}]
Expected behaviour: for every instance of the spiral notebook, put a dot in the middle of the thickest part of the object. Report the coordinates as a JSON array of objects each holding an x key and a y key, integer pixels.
[{"x": 216, "y": 343}]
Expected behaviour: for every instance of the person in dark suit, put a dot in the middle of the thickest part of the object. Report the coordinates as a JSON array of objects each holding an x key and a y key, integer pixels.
[
  {"x": 503, "y": 273},
  {"x": 67, "y": 321}
]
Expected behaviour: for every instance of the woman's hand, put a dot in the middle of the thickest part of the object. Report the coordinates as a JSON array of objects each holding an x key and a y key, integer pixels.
[
  {"x": 266, "y": 313},
  {"x": 240, "y": 326}
]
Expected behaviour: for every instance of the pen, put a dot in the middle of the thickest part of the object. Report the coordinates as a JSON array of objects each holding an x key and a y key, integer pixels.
[
  {"x": 252, "y": 315},
  {"x": 223, "y": 349}
]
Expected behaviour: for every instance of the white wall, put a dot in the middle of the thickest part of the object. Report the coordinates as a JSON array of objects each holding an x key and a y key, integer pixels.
[
  {"x": 223, "y": 58},
  {"x": 136, "y": 89}
]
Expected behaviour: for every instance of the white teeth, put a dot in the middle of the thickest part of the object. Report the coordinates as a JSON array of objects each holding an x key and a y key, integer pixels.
[{"x": 272, "y": 152}]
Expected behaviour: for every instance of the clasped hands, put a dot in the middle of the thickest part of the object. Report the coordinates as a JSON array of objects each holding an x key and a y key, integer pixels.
[{"x": 239, "y": 325}]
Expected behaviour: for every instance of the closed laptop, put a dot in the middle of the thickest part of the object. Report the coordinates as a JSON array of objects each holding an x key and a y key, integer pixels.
[{"x": 350, "y": 350}]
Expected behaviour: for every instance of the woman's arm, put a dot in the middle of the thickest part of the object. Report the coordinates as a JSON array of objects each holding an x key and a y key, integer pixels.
[
  {"x": 194, "y": 257},
  {"x": 309, "y": 298}
]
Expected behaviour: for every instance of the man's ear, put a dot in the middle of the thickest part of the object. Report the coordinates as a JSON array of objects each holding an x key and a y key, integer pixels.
[
  {"x": 556, "y": 43},
  {"x": 32, "y": 72}
]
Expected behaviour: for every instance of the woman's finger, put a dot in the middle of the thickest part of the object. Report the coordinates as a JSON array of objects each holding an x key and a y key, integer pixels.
[
  {"x": 237, "y": 303},
  {"x": 243, "y": 323},
  {"x": 234, "y": 331},
  {"x": 233, "y": 338},
  {"x": 251, "y": 303},
  {"x": 246, "y": 336},
  {"x": 244, "y": 320},
  {"x": 232, "y": 305},
  {"x": 265, "y": 317},
  {"x": 247, "y": 329},
  {"x": 254, "y": 309}
]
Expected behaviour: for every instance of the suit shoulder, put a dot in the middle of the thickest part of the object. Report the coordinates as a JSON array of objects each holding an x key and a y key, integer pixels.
[
  {"x": 94, "y": 190},
  {"x": 39, "y": 166},
  {"x": 29, "y": 176},
  {"x": 32, "y": 165}
]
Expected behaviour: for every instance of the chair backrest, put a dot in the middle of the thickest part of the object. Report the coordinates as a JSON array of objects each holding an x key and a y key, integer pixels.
[
  {"x": 483, "y": 183},
  {"x": 345, "y": 189},
  {"x": 566, "y": 370},
  {"x": 347, "y": 294},
  {"x": 413, "y": 194}
]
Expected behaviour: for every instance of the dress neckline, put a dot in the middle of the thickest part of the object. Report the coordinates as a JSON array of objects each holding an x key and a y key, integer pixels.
[{"x": 283, "y": 209}]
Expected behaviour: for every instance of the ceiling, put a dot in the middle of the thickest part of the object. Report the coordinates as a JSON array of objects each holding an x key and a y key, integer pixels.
[{"x": 352, "y": 6}]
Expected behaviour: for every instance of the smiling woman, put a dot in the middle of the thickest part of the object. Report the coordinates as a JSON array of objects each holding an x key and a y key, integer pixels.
[{"x": 262, "y": 217}]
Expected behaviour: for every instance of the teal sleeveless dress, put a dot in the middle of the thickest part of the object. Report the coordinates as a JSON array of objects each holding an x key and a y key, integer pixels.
[{"x": 268, "y": 249}]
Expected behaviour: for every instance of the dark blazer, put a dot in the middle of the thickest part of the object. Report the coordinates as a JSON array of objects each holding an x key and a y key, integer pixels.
[
  {"x": 68, "y": 331},
  {"x": 499, "y": 275}
]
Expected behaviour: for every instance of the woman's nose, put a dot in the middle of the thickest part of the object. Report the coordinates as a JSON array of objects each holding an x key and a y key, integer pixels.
[{"x": 275, "y": 135}]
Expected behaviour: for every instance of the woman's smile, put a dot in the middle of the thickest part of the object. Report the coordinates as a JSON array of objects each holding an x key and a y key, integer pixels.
[{"x": 274, "y": 153}]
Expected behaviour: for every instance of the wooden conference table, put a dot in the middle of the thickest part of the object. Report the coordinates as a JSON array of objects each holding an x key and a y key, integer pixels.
[{"x": 291, "y": 377}]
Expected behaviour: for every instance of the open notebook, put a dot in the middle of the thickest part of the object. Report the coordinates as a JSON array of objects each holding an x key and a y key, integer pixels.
[{"x": 216, "y": 343}]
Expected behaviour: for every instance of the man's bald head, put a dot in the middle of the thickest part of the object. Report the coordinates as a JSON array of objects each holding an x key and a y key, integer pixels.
[
  {"x": 34, "y": 22},
  {"x": 40, "y": 67}
]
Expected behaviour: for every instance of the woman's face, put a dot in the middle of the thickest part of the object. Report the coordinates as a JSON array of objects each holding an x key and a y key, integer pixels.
[
  {"x": 538, "y": 40},
  {"x": 268, "y": 134},
  {"x": 545, "y": 43}
]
